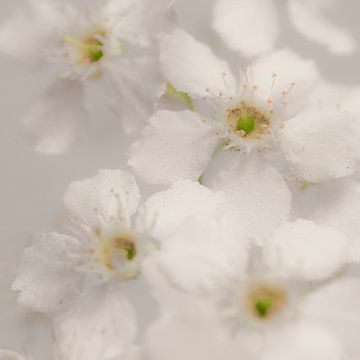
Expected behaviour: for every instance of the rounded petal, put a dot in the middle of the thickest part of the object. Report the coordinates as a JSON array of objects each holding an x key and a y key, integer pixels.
[
  {"x": 339, "y": 207},
  {"x": 307, "y": 18},
  {"x": 54, "y": 123},
  {"x": 100, "y": 325},
  {"x": 201, "y": 254},
  {"x": 46, "y": 277},
  {"x": 336, "y": 305},
  {"x": 321, "y": 146},
  {"x": 258, "y": 195},
  {"x": 304, "y": 250},
  {"x": 175, "y": 146},
  {"x": 250, "y": 27},
  {"x": 192, "y": 67},
  {"x": 110, "y": 194},
  {"x": 33, "y": 31},
  {"x": 135, "y": 85},
  {"x": 165, "y": 211},
  {"x": 280, "y": 71}
]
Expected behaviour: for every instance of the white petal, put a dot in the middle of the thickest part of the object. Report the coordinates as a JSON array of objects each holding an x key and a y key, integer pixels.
[
  {"x": 202, "y": 254},
  {"x": 339, "y": 207},
  {"x": 258, "y": 194},
  {"x": 140, "y": 22},
  {"x": 192, "y": 67},
  {"x": 54, "y": 123},
  {"x": 33, "y": 31},
  {"x": 291, "y": 72},
  {"x": 10, "y": 355},
  {"x": 305, "y": 250},
  {"x": 336, "y": 305},
  {"x": 99, "y": 326},
  {"x": 108, "y": 195},
  {"x": 175, "y": 146},
  {"x": 165, "y": 211},
  {"x": 250, "y": 27},
  {"x": 322, "y": 145},
  {"x": 46, "y": 277},
  {"x": 307, "y": 18},
  {"x": 135, "y": 85}
]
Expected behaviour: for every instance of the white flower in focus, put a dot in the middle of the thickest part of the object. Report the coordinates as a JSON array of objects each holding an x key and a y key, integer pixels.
[
  {"x": 105, "y": 244},
  {"x": 266, "y": 110},
  {"x": 252, "y": 27},
  {"x": 115, "y": 42}
]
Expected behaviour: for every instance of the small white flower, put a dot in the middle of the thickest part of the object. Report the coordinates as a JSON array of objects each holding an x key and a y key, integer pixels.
[
  {"x": 252, "y": 27},
  {"x": 105, "y": 245},
  {"x": 114, "y": 41},
  {"x": 265, "y": 110}
]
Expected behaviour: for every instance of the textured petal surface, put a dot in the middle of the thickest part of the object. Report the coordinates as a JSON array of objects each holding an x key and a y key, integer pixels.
[
  {"x": 99, "y": 326},
  {"x": 175, "y": 146},
  {"x": 339, "y": 207},
  {"x": 307, "y": 18},
  {"x": 192, "y": 67},
  {"x": 305, "y": 250},
  {"x": 258, "y": 194},
  {"x": 202, "y": 255},
  {"x": 54, "y": 123},
  {"x": 10, "y": 355},
  {"x": 323, "y": 145},
  {"x": 108, "y": 195},
  {"x": 336, "y": 305},
  {"x": 250, "y": 27},
  {"x": 46, "y": 277},
  {"x": 165, "y": 211},
  {"x": 33, "y": 31},
  {"x": 135, "y": 85}
]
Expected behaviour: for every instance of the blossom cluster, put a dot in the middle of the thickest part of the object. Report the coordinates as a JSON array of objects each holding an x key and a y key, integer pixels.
[{"x": 250, "y": 244}]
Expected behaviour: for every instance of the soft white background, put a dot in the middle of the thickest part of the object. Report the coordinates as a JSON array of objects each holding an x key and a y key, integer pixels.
[{"x": 32, "y": 184}]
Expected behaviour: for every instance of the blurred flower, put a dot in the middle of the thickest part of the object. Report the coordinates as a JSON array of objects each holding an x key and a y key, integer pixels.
[
  {"x": 114, "y": 42},
  {"x": 267, "y": 110},
  {"x": 253, "y": 27},
  {"x": 10, "y": 355}
]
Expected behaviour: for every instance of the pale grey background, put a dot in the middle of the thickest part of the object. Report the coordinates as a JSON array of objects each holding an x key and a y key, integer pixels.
[{"x": 32, "y": 185}]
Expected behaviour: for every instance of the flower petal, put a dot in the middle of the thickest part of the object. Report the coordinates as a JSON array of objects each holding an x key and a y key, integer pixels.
[
  {"x": 339, "y": 207},
  {"x": 100, "y": 325},
  {"x": 34, "y": 31},
  {"x": 10, "y": 355},
  {"x": 135, "y": 85},
  {"x": 321, "y": 146},
  {"x": 258, "y": 195},
  {"x": 192, "y": 67},
  {"x": 166, "y": 210},
  {"x": 307, "y": 18},
  {"x": 336, "y": 306},
  {"x": 250, "y": 27},
  {"x": 108, "y": 195},
  {"x": 46, "y": 277},
  {"x": 54, "y": 123},
  {"x": 305, "y": 250},
  {"x": 175, "y": 146}
]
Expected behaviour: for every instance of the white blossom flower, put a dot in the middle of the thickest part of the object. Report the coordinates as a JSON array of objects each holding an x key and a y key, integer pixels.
[
  {"x": 105, "y": 244},
  {"x": 115, "y": 41},
  {"x": 281, "y": 301},
  {"x": 252, "y": 27},
  {"x": 266, "y": 110}
]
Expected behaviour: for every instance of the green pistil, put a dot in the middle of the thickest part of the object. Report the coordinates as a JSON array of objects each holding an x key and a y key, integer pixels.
[
  {"x": 182, "y": 95},
  {"x": 263, "y": 305},
  {"x": 92, "y": 49},
  {"x": 246, "y": 124}
]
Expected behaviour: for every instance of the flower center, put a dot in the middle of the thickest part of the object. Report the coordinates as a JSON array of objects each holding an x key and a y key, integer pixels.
[
  {"x": 90, "y": 48},
  {"x": 248, "y": 122},
  {"x": 121, "y": 248},
  {"x": 265, "y": 301}
]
